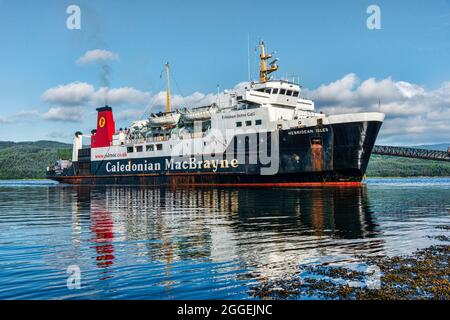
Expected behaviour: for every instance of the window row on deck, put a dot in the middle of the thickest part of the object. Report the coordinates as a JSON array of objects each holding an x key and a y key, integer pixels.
[
  {"x": 286, "y": 92},
  {"x": 248, "y": 123},
  {"x": 148, "y": 148}
]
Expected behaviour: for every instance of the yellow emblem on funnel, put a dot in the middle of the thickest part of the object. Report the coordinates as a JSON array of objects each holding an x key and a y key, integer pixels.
[{"x": 101, "y": 122}]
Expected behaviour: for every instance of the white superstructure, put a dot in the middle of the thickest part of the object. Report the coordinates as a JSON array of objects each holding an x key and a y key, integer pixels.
[{"x": 262, "y": 106}]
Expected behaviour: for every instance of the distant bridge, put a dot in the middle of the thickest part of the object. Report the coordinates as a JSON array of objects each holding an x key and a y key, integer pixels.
[{"x": 412, "y": 153}]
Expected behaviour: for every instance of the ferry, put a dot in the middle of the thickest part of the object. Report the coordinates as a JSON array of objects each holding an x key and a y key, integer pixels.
[{"x": 264, "y": 133}]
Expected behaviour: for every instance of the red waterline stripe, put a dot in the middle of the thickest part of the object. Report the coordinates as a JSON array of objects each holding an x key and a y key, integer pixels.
[
  {"x": 282, "y": 184},
  {"x": 256, "y": 184}
]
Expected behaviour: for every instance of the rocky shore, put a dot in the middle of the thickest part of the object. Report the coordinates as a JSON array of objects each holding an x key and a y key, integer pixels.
[{"x": 423, "y": 275}]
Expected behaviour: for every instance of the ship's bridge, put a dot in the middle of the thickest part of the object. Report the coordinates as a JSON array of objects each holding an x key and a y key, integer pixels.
[{"x": 278, "y": 93}]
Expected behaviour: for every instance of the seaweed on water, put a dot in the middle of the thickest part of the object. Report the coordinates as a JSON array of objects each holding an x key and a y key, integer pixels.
[
  {"x": 440, "y": 238},
  {"x": 423, "y": 275}
]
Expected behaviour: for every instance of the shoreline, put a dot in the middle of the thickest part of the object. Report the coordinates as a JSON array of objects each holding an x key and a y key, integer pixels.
[{"x": 424, "y": 274}]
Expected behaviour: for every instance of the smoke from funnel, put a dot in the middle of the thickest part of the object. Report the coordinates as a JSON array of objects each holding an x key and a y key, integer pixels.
[{"x": 105, "y": 74}]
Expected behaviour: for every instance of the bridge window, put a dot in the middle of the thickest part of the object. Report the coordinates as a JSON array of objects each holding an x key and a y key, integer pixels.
[
  {"x": 238, "y": 124},
  {"x": 248, "y": 123},
  {"x": 275, "y": 91},
  {"x": 159, "y": 147},
  {"x": 289, "y": 93},
  {"x": 258, "y": 122},
  {"x": 267, "y": 90},
  {"x": 139, "y": 149},
  {"x": 130, "y": 149},
  {"x": 150, "y": 147},
  {"x": 296, "y": 93},
  {"x": 282, "y": 91}
]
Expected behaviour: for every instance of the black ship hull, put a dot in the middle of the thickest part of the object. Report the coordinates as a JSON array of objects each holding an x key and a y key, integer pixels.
[{"x": 336, "y": 154}]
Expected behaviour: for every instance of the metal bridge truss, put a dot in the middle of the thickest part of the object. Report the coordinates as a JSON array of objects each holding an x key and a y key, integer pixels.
[{"x": 412, "y": 153}]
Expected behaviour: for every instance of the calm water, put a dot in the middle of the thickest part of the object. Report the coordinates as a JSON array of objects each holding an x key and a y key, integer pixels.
[{"x": 144, "y": 243}]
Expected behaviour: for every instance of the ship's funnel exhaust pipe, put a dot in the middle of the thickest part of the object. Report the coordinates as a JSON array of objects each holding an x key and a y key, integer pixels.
[
  {"x": 77, "y": 145},
  {"x": 105, "y": 128}
]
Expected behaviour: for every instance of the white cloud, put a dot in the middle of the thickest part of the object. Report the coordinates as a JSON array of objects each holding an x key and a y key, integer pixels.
[
  {"x": 129, "y": 114},
  {"x": 4, "y": 120},
  {"x": 66, "y": 101},
  {"x": 334, "y": 92},
  {"x": 413, "y": 113},
  {"x": 75, "y": 93},
  {"x": 120, "y": 96},
  {"x": 97, "y": 55},
  {"x": 196, "y": 99},
  {"x": 69, "y": 114},
  {"x": 21, "y": 116},
  {"x": 25, "y": 115},
  {"x": 81, "y": 93}
]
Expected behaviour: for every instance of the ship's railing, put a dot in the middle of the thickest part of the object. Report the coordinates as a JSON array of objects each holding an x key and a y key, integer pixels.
[
  {"x": 147, "y": 140},
  {"x": 157, "y": 139},
  {"x": 192, "y": 135}
]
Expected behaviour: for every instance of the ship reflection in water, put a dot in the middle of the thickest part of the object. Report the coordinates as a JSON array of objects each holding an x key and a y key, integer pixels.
[
  {"x": 150, "y": 243},
  {"x": 261, "y": 233}
]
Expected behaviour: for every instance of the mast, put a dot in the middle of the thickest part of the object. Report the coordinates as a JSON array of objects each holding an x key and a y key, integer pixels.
[
  {"x": 168, "y": 88},
  {"x": 248, "y": 57},
  {"x": 264, "y": 71}
]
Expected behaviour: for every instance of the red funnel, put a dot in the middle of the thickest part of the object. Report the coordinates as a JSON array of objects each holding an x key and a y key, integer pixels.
[{"x": 105, "y": 128}]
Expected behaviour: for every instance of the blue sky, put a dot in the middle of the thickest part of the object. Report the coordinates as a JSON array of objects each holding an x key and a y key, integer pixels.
[{"x": 325, "y": 43}]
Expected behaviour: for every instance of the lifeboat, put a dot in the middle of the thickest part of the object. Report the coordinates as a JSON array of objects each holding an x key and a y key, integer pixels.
[
  {"x": 163, "y": 119},
  {"x": 140, "y": 124},
  {"x": 199, "y": 114}
]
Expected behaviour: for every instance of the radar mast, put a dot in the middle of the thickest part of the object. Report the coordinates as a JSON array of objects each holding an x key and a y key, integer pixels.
[
  {"x": 168, "y": 88},
  {"x": 264, "y": 71}
]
